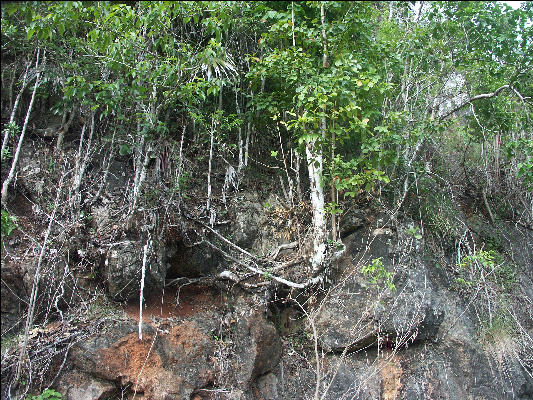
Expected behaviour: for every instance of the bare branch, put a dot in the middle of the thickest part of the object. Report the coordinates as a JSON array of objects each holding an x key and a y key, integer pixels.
[{"x": 478, "y": 97}]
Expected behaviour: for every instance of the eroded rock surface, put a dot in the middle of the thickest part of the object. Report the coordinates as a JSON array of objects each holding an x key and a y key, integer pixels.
[
  {"x": 124, "y": 270},
  {"x": 186, "y": 350},
  {"x": 355, "y": 314}
]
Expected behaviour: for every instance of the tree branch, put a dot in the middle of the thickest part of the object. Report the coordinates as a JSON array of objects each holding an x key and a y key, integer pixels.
[{"x": 478, "y": 97}]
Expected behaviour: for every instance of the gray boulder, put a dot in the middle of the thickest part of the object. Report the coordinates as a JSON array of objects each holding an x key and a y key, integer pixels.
[
  {"x": 357, "y": 313},
  {"x": 123, "y": 269}
]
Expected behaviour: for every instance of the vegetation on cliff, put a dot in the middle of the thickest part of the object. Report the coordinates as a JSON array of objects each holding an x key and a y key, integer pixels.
[{"x": 130, "y": 128}]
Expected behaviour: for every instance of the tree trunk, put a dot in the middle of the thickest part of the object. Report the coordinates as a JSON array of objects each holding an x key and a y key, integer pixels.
[
  {"x": 214, "y": 124},
  {"x": 80, "y": 167},
  {"x": 35, "y": 285},
  {"x": 111, "y": 154},
  {"x": 315, "y": 166},
  {"x": 64, "y": 128},
  {"x": 9, "y": 178},
  {"x": 14, "y": 110},
  {"x": 241, "y": 149},
  {"x": 332, "y": 188}
]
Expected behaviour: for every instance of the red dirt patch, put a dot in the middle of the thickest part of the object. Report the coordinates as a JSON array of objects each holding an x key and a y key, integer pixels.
[
  {"x": 130, "y": 354},
  {"x": 391, "y": 374},
  {"x": 137, "y": 363},
  {"x": 188, "y": 301}
]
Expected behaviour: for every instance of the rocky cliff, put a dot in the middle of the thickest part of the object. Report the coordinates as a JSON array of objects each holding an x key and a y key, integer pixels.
[{"x": 400, "y": 314}]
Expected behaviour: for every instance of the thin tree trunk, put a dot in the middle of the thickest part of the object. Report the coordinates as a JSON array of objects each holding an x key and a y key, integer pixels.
[
  {"x": 332, "y": 189},
  {"x": 247, "y": 142},
  {"x": 106, "y": 169},
  {"x": 241, "y": 150},
  {"x": 35, "y": 286},
  {"x": 76, "y": 184},
  {"x": 214, "y": 128},
  {"x": 497, "y": 148},
  {"x": 80, "y": 168},
  {"x": 297, "y": 163},
  {"x": 140, "y": 181},
  {"x": 314, "y": 161},
  {"x": 180, "y": 164},
  {"x": 11, "y": 174},
  {"x": 64, "y": 128},
  {"x": 138, "y": 156},
  {"x": 141, "y": 297},
  {"x": 15, "y": 106},
  {"x": 210, "y": 166},
  {"x": 248, "y": 134},
  {"x": 315, "y": 167},
  {"x": 292, "y": 27}
]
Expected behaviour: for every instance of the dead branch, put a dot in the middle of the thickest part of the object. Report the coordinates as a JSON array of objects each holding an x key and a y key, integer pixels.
[
  {"x": 478, "y": 97},
  {"x": 35, "y": 286},
  {"x": 286, "y": 246}
]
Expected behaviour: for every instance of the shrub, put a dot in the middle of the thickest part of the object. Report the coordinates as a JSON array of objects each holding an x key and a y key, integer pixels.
[
  {"x": 378, "y": 274},
  {"x": 47, "y": 394}
]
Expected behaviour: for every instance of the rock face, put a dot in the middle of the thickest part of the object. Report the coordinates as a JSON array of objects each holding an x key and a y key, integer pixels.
[
  {"x": 252, "y": 225},
  {"x": 124, "y": 270},
  {"x": 78, "y": 385},
  {"x": 163, "y": 365},
  {"x": 400, "y": 331},
  {"x": 13, "y": 298},
  {"x": 191, "y": 350},
  {"x": 356, "y": 314},
  {"x": 420, "y": 341}
]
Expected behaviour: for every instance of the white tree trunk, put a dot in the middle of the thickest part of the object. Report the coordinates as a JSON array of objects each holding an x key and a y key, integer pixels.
[
  {"x": 314, "y": 161},
  {"x": 35, "y": 285},
  {"x": 315, "y": 168},
  {"x": 209, "y": 167},
  {"x": 15, "y": 106},
  {"x": 141, "y": 296},
  {"x": 241, "y": 145},
  {"x": 9, "y": 178}
]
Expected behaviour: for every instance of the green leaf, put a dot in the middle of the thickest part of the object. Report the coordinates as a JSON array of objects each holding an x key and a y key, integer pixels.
[
  {"x": 125, "y": 150},
  {"x": 30, "y": 33}
]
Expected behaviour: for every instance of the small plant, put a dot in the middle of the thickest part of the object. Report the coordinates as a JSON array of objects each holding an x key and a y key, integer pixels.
[
  {"x": 486, "y": 266},
  {"x": 336, "y": 244},
  {"x": 47, "y": 394},
  {"x": 378, "y": 274},
  {"x": 6, "y": 154},
  {"x": 498, "y": 327},
  {"x": 268, "y": 275},
  {"x": 125, "y": 150},
  {"x": 8, "y": 342},
  {"x": 414, "y": 232},
  {"x": 333, "y": 208},
  {"x": 12, "y": 131},
  {"x": 9, "y": 223}
]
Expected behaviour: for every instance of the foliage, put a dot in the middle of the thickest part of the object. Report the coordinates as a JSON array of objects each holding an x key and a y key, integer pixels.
[
  {"x": 438, "y": 212},
  {"x": 500, "y": 326},
  {"x": 378, "y": 275},
  {"x": 47, "y": 394},
  {"x": 12, "y": 130},
  {"x": 369, "y": 92},
  {"x": 487, "y": 266},
  {"x": 9, "y": 223},
  {"x": 414, "y": 232},
  {"x": 522, "y": 147}
]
